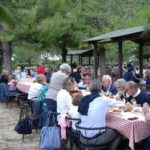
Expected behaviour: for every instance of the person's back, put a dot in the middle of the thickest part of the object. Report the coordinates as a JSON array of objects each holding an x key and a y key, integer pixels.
[
  {"x": 34, "y": 90},
  {"x": 92, "y": 109},
  {"x": 96, "y": 114},
  {"x": 55, "y": 85}
]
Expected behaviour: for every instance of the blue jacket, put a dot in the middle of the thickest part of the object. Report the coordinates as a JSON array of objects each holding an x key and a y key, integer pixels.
[
  {"x": 128, "y": 76},
  {"x": 148, "y": 82},
  {"x": 112, "y": 90},
  {"x": 141, "y": 98}
]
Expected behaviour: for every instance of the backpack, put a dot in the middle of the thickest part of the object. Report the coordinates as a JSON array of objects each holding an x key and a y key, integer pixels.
[{"x": 23, "y": 126}]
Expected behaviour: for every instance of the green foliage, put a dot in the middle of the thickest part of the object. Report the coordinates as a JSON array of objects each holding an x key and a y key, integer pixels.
[
  {"x": 5, "y": 18},
  {"x": 56, "y": 25}
]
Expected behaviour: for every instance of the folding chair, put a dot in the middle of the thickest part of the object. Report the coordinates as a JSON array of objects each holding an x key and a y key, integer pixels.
[
  {"x": 73, "y": 135},
  {"x": 85, "y": 141}
]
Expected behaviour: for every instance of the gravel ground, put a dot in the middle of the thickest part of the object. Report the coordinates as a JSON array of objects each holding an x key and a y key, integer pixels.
[{"x": 9, "y": 139}]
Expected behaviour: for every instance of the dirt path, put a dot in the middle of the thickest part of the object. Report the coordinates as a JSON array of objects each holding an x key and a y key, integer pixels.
[{"x": 9, "y": 139}]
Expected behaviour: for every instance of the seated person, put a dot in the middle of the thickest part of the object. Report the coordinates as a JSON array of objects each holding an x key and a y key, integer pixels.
[
  {"x": 4, "y": 78},
  {"x": 120, "y": 85},
  {"x": 85, "y": 82},
  {"x": 73, "y": 112},
  {"x": 34, "y": 90},
  {"x": 12, "y": 84},
  {"x": 76, "y": 74},
  {"x": 135, "y": 94},
  {"x": 33, "y": 73},
  {"x": 147, "y": 78},
  {"x": 92, "y": 110},
  {"x": 64, "y": 98},
  {"x": 108, "y": 89},
  {"x": 19, "y": 73}
]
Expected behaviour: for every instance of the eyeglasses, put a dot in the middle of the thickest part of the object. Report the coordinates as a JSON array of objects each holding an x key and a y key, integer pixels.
[{"x": 118, "y": 87}]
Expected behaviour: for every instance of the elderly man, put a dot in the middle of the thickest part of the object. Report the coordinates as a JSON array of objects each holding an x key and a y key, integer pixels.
[
  {"x": 92, "y": 109},
  {"x": 135, "y": 94},
  {"x": 107, "y": 86},
  {"x": 139, "y": 97}
]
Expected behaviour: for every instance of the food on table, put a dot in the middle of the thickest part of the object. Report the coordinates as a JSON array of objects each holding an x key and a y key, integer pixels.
[
  {"x": 117, "y": 109},
  {"x": 128, "y": 107}
]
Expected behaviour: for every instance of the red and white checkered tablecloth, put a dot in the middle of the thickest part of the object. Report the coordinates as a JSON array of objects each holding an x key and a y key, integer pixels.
[
  {"x": 24, "y": 86},
  {"x": 134, "y": 130}
]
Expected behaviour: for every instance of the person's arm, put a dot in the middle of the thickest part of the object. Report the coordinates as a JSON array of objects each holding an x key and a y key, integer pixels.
[{"x": 111, "y": 102}]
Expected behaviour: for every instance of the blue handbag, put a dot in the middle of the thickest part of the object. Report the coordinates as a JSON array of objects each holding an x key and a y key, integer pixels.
[{"x": 50, "y": 135}]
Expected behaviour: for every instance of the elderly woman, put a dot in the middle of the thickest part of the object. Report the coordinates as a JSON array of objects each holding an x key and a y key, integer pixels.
[
  {"x": 92, "y": 109},
  {"x": 64, "y": 98},
  {"x": 4, "y": 78},
  {"x": 56, "y": 83},
  {"x": 120, "y": 85},
  {"x": 35, "y": 88}
]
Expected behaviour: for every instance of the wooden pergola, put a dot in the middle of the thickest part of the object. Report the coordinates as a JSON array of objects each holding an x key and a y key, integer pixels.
[
  {"x": 80, "y": 53},
  {"x": 136, "y": 34}
]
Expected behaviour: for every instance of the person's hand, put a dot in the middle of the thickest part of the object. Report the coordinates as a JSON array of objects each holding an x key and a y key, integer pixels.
[
  {"x": 146, "y": 108},
  {"x": 120, "y": 93},
  {"x": 110, "y": 95}
]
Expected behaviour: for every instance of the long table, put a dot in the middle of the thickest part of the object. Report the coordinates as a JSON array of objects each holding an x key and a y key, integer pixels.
[
  {"x": 24, "y": 86},
  {"x": 134, "y": 130}
]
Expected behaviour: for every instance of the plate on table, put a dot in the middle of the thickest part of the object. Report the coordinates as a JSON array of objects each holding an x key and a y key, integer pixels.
[{"x": 115, "y": 110}]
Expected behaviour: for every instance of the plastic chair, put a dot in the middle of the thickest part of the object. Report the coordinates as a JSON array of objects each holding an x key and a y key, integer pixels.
[{"x": 87, "y": 141}]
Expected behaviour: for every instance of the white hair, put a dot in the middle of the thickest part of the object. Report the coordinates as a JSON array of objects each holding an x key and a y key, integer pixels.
[
  {"x": 65, "y": 67},
  {"x": 120, "y": 82},
  {"x": 107, "y": 77}
]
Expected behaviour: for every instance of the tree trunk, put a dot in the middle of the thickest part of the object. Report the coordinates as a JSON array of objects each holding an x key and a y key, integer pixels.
[
  {"x": 7, "y": 54},
  {"x": 64, "y": 53},
  {"x": 29, "y": 62}
]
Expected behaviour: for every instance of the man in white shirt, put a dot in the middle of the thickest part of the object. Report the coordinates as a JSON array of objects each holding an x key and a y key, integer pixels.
[{"x": 92, "y": 109}]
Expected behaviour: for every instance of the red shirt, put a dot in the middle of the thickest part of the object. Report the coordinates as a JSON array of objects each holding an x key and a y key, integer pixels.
[{"x": 41, "y": 70}]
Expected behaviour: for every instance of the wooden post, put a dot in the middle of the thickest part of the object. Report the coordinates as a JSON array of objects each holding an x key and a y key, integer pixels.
[
  {"x": 95, "y": 60},
  {"x": 141, "y": 59},
  {"x": 89, "y": 60},
  {"x": 120, "y": 58},
  {"x": 79, "y": 59},
  {"x": 102, "y": 61},
  {"x": 71, "y": 57}
]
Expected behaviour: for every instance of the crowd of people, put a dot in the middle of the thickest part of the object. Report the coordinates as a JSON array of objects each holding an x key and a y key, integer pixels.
[{"x": 63, "y": 94}]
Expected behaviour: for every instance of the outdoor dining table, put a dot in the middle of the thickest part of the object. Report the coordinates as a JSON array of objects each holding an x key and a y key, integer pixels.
[
  {"x": 135, "y": 129},
  {"x": 23, "y": 86}
]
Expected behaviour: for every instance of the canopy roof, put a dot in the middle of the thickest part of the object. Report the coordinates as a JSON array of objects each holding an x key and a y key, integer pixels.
[
  {"x": 136, "y": 34},
  {"x": 85, "y": 52}
]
